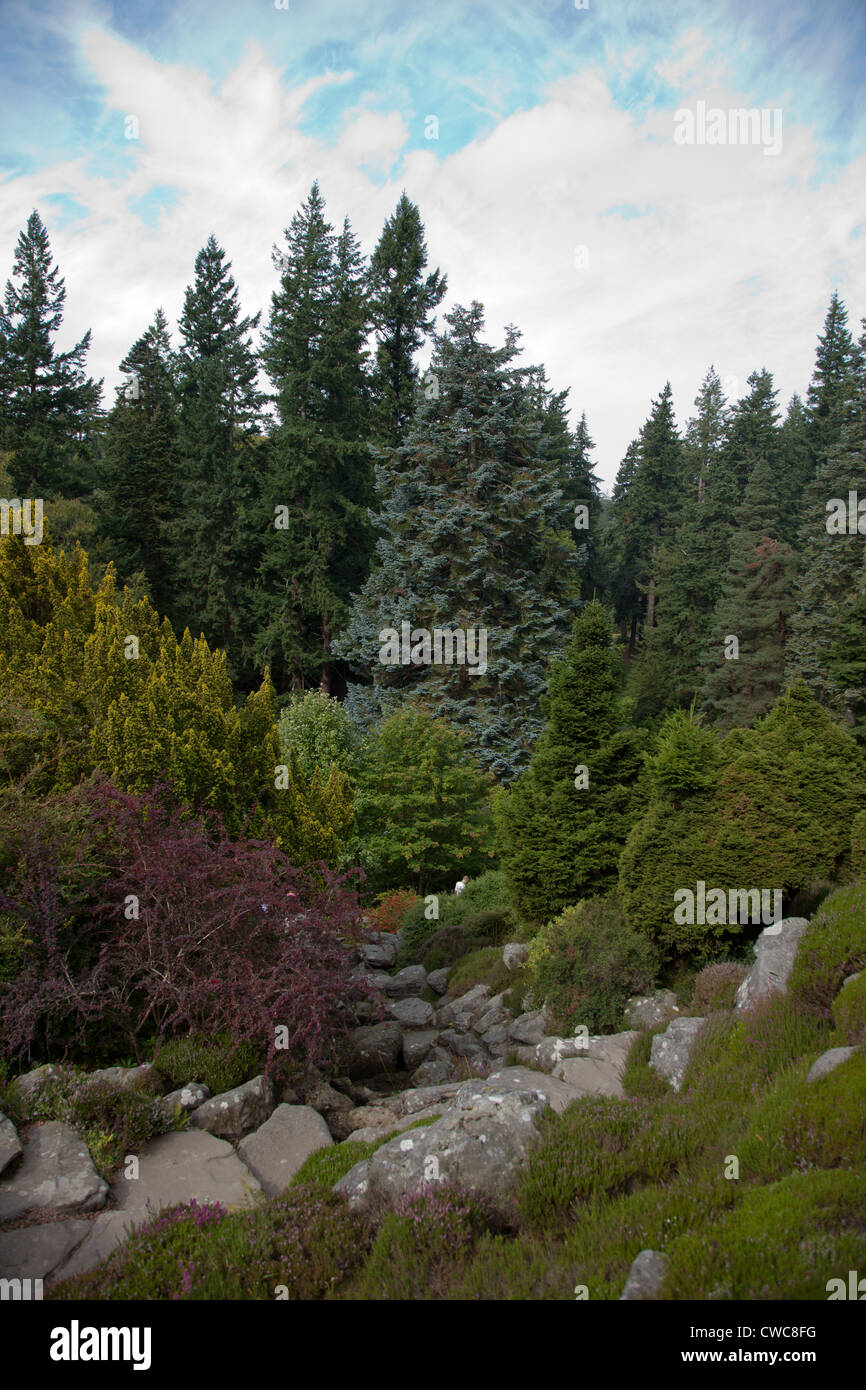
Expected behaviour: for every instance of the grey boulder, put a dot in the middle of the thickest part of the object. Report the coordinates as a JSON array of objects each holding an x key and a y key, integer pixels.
[
  {"x": 187, "y": 1098},
  {"x": 481, "y": 1142},
  {"x": 56, "y": 1173},
  {"x": 411, "y": 980},
  {"x": 514, "y": 953},
  {"x": 672, "y": 1049},
  {"x": 651, "y": 1010},
  {"x": 416, "y": 1046},
  {"x": 373, "y": 1049},
  {"x": 274, "y": 1152},
  {"x": 10, "y": 1144},
  {"x": 435, "y": 1068},
  {"x": 380, "y": 951},
  {"x": 411, "y": 1013},
  {"x": 438, "y": 980},
  {"x": 829, "y": 1061},
  {"x": 775, "y": 950},
  {"x": 237, "y": 1112},
  {"x": 646, "y": 1276},
  {"x": 529, "y": 1028}
]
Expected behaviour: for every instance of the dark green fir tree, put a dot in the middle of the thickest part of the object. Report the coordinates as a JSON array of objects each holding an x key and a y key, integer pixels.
[
  {"x": 49, "y": 407},
  {"x": 563, "y": 823}
]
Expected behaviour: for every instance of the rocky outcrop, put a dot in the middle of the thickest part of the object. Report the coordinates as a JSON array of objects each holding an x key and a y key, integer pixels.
[
  {"x": 186, "y": 1098},
  {"x": 597, "y": 1069},
  {"x": 373, "y": 1049},
  {"x": 672, "y": 1049},
  {"x": 775, "y": 950},
  {"x": 481, "y": 1141}
]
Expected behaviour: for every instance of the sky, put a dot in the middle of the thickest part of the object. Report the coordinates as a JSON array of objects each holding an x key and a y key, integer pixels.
[{"x": 565, "y": 158}]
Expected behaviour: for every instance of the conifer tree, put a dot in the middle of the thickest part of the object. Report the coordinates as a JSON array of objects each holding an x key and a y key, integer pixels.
[
  {"x": 833, "y": 388},
  {"x": 215, "y": 536},
  {"x": 472, "y": 539},
  {"x": 831, "y": 560},
  {"x": 562, "y": 824},
  {"x": 49, "y": 407},
  {"x": 754, "y": 607},
  {"x": 621, "y": 551},
  {"x": 690, "y": 563},
  {"x": 320, "y": 472},
  {"x": 402, "y": 301},
  {"x": 139, "y": 482},
  {"x": 753, "y": 431},
  {"x": 654, "y": 500}
]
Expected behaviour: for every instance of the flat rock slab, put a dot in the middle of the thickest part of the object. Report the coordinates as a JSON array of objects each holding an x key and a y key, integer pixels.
[
  {"x": 558, "y": 1093},
  {"x": 10, "y": 1145},
  {"x": 597, "y": 1069},
  {"x": 56, "y": 1173},
  {"x": 35, "y": 1252},
  {"x": 367, "y": 1134},
  {"x": 276, "y": 1151},
  {"x": 829, "y": 1061},
  {"x": 179, "y": 1166},
  {"x": 411, "y": 1013},
  {"x": 104, "y": 1233}
]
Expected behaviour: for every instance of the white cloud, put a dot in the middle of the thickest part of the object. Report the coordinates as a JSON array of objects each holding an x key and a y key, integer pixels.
[{"x": 663, "y": 294}]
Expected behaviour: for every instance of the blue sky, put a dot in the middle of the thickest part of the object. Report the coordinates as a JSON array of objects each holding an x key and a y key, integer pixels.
[{"x": 549, "y": 181}]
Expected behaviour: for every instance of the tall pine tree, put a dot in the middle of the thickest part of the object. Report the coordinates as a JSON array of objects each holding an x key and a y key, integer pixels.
[
  {"x": 139, "y": 483},
  {"x": 49, "y": 407},
  {"x": 402, "y": 301},
  {"x": 215, "y": 536},
  {"x": 320, "y": 471}
]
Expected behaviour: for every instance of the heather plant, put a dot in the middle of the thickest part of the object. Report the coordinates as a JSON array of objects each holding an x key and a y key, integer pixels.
[
  {"x": 217, "y": 1061},
  {"x": 586, "y": 963},
  {"x": 423, "y": 1243},
  {"x": 297, "y": 1246},
  {"x": 832, "y": 946},
  {"x": 716, "y": 986},
  {"x": 849, "y": 1010},
  {"x": 735, "y": 1058},
  {"x": 484, "y": 967},
  {"x": 825, "y": 1125},
  {"x": 601, "y": 1145},
  {"x": 858, "y": 846},
  {"x": 782, "y": 1241},
  {"x": 190, "y": 931}
]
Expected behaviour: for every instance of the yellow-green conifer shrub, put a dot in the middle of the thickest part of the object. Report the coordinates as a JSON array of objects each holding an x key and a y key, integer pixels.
[{"x": 95, "y": 680}]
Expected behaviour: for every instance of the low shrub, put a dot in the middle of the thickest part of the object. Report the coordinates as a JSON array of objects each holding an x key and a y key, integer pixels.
[
  {"x": 391, "y": 908},
  {"x": 423, "y": 1244},
  {"x": 849, "y": 1010},
  {"x": 586, "y": 963},
  {"x": 833, "y": 946},
  {"x": 784, "y": 1241},
  {"x": 735, "y": 1058},
  {"x": 216, "y": 1061},
  {"x": 603, "y": 1146},
  {"x": 300, "y": 1246},
  {"x": 112, "y": 1120},
  {"x": 638, "y": 1078},
  {"x": 716, "y": 986},
  {"x": 826, "y": 1126},
  {"x": 486, "y": 892},
  {"x": 484, "y": 967},
  {"x": 858, "y": 846}
]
